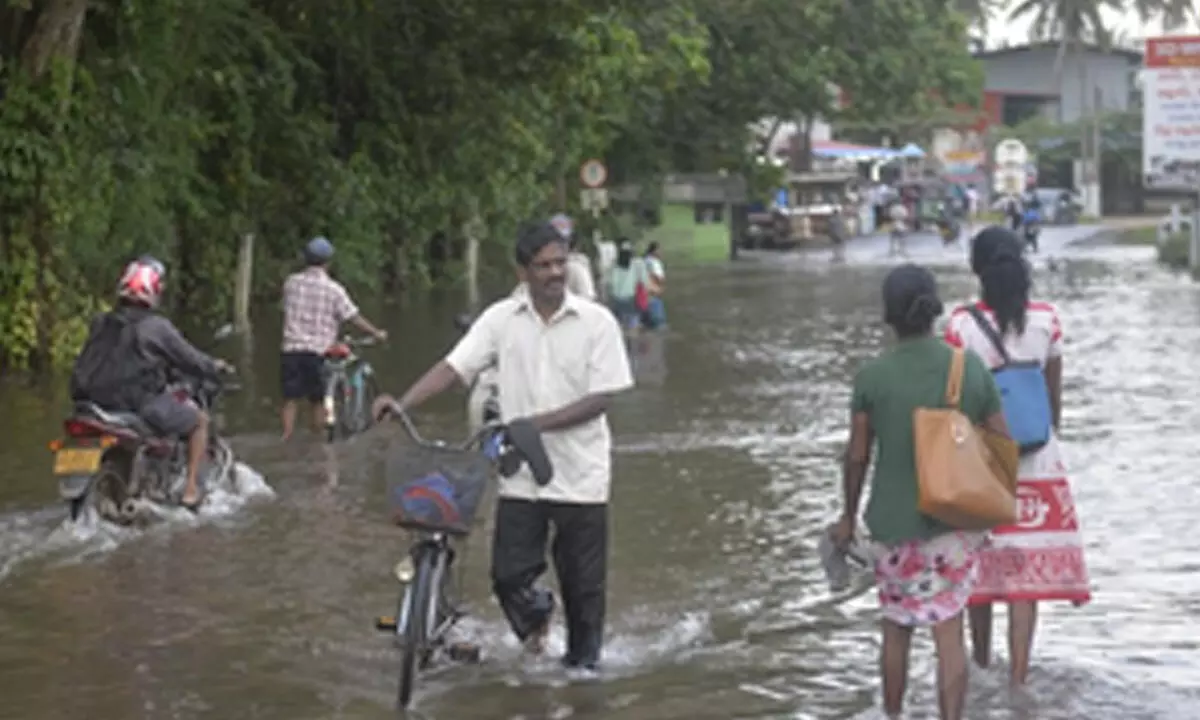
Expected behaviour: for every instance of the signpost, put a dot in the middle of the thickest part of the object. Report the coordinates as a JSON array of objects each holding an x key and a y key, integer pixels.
[
  {"x": 593, "y": 174},
  {"x": 1171, "y": 121},
  {"x": 594, "y": 197}
]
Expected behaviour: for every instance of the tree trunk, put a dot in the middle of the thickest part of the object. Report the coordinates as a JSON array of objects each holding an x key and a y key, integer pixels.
[
  {"x": 55, "y": 36},
  {"x": 769, "y": 138},
  {"x": 801, "y": 146},
  {"x": 472, "y": 231},
  {"x": 560, "y": 191}
]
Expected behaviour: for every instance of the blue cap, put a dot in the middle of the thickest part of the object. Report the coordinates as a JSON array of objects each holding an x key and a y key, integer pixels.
[{"x": 318, "y": 250}]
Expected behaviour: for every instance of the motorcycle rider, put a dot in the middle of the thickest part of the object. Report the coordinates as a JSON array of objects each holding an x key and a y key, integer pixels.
[{"x": 129, "y": 359}]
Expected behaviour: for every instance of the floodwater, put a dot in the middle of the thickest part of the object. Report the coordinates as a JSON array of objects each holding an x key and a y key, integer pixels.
[{"x": 725, "y": 472}]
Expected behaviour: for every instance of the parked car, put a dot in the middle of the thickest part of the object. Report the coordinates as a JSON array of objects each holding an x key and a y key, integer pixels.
[{"x": 1053, "y": 213}]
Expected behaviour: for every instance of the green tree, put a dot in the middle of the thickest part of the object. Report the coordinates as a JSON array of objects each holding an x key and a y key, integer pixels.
[
  {"x": 404, "y": 131},
  {"x": 383, "y": 125}
]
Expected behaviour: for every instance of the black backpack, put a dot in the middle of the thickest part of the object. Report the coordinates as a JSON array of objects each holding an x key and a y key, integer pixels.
[{"x": 111, "y": 370}]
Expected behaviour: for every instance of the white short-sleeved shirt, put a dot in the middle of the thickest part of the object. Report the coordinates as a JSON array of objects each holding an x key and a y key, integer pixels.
[
  {"x": 544, "y": 366},
  {"x": 1041, "y": 340},
  {"x": 579, "y": 276},
  {"x": 655, "y": 268}
]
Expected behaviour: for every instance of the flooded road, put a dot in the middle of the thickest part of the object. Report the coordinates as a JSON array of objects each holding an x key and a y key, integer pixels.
[{"x": 725, "y": 473}]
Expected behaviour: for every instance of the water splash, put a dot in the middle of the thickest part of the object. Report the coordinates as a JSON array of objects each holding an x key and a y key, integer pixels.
[{"x": 48, "y": 535}]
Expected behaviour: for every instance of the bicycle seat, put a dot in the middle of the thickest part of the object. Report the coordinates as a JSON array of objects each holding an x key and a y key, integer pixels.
[
  {"x": 338, "y": 351},
  {"x": 463, "y": 321},
  {"x": 526, "y": 440}
]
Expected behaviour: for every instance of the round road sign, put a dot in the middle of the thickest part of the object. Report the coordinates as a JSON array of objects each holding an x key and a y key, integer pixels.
[{"x": 593, "y": 173}]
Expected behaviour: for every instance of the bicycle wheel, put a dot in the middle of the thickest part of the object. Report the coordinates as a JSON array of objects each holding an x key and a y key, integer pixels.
[
  {"x": 422, "y": 597},
  {"x": 335, "y": 407},
  {"x": 368, "y": 390}
]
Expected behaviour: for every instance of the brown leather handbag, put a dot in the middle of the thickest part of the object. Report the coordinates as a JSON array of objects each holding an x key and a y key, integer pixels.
[{"x": 966, "y": 475}]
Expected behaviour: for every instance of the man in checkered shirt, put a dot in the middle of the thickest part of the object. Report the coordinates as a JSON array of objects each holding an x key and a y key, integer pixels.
[{"x": 314, "y": 307}]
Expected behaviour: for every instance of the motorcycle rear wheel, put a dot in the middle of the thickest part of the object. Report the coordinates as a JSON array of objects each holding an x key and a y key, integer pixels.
[{"x": 106, "y": 493}]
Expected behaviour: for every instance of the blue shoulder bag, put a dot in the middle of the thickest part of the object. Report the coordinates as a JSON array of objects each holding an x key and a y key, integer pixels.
[{"x": 1023, "y": 393}]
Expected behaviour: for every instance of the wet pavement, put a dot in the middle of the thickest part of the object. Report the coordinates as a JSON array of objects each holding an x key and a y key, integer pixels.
[{"x": 263, "y": 607}]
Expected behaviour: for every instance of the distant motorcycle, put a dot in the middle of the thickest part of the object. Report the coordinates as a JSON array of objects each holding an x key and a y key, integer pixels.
[
  {"x": 1032, "y": 224},
  {"x": 114, "y": 463},
  {"x": 1067, "y": 213},
  {"x": 949, "y": 229}
]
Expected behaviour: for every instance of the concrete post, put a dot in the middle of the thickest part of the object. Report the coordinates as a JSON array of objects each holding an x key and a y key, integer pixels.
[{"x": 242, "y": 284}]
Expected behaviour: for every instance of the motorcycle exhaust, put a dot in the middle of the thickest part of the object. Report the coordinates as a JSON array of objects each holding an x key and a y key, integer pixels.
[{"x": 130, "y": 510}]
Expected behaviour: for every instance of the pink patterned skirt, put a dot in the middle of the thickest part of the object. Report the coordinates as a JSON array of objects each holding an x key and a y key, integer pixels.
[{"x": 926, "y": 582}]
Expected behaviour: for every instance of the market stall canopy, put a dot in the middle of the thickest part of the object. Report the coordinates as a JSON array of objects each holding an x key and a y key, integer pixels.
[
  {"x": 835, "y": 150},
  {"x": 911, "y": 150}
]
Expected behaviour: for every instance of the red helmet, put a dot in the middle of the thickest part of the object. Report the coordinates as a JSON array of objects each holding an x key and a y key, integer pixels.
[{"x": 142, "y": 281}]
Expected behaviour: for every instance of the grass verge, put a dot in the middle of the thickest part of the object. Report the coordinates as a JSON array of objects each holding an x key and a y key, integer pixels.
[
  {"x": 681, "y": 238},
  {"x": 1138, "y": 236},
  {"x": 1174, "y": 252}
]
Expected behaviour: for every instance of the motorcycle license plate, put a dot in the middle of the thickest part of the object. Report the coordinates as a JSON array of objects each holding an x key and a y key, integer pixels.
[{"x": 77, "y": 461}]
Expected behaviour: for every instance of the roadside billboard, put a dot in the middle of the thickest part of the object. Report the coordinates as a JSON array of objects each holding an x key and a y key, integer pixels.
[{"x": 1171, "y": 113}]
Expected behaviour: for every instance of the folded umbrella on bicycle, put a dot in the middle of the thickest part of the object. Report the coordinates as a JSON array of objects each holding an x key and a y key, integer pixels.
[{"x": 526, "y": 441}]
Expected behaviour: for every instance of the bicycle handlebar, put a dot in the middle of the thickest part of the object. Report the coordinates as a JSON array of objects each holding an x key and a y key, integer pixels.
[
  {"x": 360, "y": 341},
  {"x": 465, "y": 445}
]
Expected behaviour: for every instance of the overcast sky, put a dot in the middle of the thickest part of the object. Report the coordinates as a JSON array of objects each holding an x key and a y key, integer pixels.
[{"x": 1017, "y": 32}]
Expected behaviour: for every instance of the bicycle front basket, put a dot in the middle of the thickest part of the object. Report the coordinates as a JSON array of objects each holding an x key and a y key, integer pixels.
[{"x": 438, "y": 490}]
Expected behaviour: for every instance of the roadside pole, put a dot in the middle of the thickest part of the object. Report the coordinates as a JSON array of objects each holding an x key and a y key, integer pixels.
[
  {"x": 242, "y": 283},
  {"x": 1194, "y": 247},
  {"x": 594, "y": 198}
]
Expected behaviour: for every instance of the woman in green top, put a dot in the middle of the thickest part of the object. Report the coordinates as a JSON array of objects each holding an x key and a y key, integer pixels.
[{"x": 925, "y": 570}]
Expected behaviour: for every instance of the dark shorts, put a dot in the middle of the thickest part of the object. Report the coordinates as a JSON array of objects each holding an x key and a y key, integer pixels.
[
  {"x": 170, "y": 416},
  {"x": 301, "y": 376}
]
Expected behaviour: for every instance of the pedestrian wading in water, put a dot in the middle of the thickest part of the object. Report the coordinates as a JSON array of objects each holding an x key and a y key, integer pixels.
[
  {"x": 559, "y": 359},
  {"x": 627, "y": 286},
  {"x": 1041, "y": 557},
  {"x": 925, "y": 570}
]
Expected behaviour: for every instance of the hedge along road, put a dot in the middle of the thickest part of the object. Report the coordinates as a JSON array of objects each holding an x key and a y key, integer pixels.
[{"x": 725, "y": 474}]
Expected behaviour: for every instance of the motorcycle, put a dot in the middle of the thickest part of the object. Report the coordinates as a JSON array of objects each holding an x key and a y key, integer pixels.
[
  {"x": 949, "y": 229},
  {"x": 483, "y": 397},
  {"x": 1068, "y": 213},
  {"x": 114, "y": 463}
]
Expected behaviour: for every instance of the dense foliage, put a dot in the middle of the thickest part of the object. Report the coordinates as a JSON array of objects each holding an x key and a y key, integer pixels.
[{"x": 176, "y": 126}]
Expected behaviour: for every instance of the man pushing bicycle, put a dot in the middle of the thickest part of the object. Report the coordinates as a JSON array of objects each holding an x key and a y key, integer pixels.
[{"x": 560, "y": 360}]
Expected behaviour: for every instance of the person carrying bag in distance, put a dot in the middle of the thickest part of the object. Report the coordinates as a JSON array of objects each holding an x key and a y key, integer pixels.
[{"x": 560, "y": 359}]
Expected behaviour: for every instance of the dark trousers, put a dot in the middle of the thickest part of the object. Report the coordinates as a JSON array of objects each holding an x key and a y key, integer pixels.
[{"x": 580, "y": 552}]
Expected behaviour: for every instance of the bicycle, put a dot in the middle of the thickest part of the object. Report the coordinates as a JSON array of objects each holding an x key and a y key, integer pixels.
[
  {"x": 350, "y": 388},
  {"x": 430, "y": 603}
]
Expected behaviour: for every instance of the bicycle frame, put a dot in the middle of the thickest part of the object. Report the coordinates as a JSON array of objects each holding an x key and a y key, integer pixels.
[
  {"x": 344, "y": 366},
  {"x": 424, "y": 572},
  {"x": 441, "y": 545}
]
